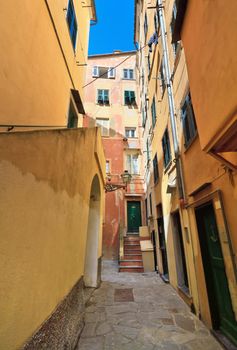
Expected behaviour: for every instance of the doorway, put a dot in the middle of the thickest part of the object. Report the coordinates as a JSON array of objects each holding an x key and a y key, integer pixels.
[
  {"x": 181, "y": 265},
  {"x": 161, "y": 234},
  {"x": 91, "y": 277},
  {"x": 134, "y": 216},
  {"x": 222, "y": 314}
]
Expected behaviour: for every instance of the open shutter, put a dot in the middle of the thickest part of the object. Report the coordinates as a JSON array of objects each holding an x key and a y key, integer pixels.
[
  {"x": 132, "y": 97},
  {"x": 106, "y": 96},
  {"x": 111, "y": 72},
  {"x": 100, "y": 96},
  {"x": 95, "y": 71},
  {"x": 126, "y": 98}
]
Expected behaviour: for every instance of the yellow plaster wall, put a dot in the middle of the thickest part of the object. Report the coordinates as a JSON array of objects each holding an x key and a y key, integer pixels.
[
  {"x": 44, "y": 201},
  {"x": 209, "y": 35},
  {"x": 38, "y": 63}
]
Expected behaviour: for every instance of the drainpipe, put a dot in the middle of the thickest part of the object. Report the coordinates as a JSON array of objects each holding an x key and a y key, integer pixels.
[{"x": 180, "y": 181}]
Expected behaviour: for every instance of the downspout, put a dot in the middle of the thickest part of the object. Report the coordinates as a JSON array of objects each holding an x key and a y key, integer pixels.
[{"x": 177, "y": 160}]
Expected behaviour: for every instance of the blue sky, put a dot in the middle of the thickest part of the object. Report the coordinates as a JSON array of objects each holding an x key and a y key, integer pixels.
[{"x": 114, "y": 29}]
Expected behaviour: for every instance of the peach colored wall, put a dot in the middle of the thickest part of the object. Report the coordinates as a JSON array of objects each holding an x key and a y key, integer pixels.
[{"x": 209, "y": 35}]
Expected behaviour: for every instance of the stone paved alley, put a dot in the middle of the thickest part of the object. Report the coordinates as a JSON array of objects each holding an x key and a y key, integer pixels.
[{"x": 156, "y": 319}]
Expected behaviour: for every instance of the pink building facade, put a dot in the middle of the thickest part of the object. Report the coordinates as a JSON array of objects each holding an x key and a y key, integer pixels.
[{"x": 112, "y": 103}]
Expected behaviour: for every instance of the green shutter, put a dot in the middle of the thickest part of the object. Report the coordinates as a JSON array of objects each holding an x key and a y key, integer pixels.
[
  {"x": 126, "y": 98},
  {"x": 132, "y": 97}
]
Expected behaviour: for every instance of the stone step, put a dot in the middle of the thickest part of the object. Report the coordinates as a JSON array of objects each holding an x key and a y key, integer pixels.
[
  {"x": 132, "y": 256},
  {"x": 131, "y": 263},
  {"x": 131, "y": 239},
  {"x": 132, "y": 247},
  {"x": 132, "y": 243},
  {"x": 131, "y": 269},
  {"x": 126, "y": 252}
]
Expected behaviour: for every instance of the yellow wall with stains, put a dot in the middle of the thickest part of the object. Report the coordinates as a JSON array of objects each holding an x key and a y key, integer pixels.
[{"x": 44, "y": 199}]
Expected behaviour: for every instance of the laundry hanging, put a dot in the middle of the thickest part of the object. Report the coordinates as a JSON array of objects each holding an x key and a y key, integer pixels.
[{"x": 153, "y": 40}]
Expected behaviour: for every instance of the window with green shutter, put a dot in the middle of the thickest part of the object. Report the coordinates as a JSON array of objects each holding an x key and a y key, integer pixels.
[
  {"x": 153, "y": 112},
  {"x": 103, "y": 96},
  {"x": 166, "y": 148},
  {"x": 129, "y": 97},
  {"x": 155, "y": 169}
]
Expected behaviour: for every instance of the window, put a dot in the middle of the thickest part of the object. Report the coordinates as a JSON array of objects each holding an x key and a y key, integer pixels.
[
  {"x": 155, "y": 169},
  {"x": 72, "y": 23},
  {"x": 104, "y": 126},
  {"x": 132, "y": 164},
  {"x": 129, "y": 98},
  {"x": 153, "y": 112},
  {"x": 162, "y": 78},
  {"x": 103, "y": 72},
  {"x": 72, "y": 117},
  {"x": 128, "y": 74},
  {"x": 150, "y": 197},
  {"x": 130, "y": 132},
  {"x": 166, "y": 148},
  {"x": 145, "y": 25},
  {"x": 103, "y": 97},
  {"x": 172, "y": 24},
  {"x": 107, "y": 166},
  {"x": 188, "y": 121}
]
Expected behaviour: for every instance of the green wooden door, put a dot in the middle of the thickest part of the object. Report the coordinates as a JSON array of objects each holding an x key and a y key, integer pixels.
[
  {"x": 133, "y": 216},
  {"x": 217, "y": 285}
]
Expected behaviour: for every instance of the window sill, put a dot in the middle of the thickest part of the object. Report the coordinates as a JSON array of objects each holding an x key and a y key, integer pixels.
[
  {"x": 128, "y": 79},
  {"x": 190, "y": 143}
]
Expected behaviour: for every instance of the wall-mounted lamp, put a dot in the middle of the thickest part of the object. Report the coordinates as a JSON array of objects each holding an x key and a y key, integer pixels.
[{"x": 126, "y": 179}]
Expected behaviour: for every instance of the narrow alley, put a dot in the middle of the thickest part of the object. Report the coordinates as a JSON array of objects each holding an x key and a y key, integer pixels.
[{"x": 132, "y": 311}]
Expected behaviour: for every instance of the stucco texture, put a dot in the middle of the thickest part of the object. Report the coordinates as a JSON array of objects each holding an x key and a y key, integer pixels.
[{"x": 45, "y": 189}]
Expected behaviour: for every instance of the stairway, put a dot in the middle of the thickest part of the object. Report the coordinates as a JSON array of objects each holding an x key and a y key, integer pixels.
[{"x": 132, "y": 260}]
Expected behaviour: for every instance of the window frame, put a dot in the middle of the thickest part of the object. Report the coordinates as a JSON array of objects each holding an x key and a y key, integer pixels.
[
  {"x": 103, "y": 100},
  {"x": 103, "y": 127},
  {"x": 127, "y": 129},
  {"x": 129, "y": 74},
  {"x": 130, "y": 163}
]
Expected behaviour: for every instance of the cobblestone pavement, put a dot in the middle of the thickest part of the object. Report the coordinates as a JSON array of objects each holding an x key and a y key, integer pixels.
[{"x": 156, "y": 319}]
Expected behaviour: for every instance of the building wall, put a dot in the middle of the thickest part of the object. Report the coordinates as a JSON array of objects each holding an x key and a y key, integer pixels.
[
  {"x": 39, "y": 65},
  {"x": 116, "y": 145},
  {"x": 206, "y": 24},
  {"x": 205, "y": 179},
  {"x": 45, "y": 195}
]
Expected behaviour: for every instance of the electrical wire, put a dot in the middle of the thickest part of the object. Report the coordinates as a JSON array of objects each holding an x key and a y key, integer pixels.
[{"x": 119, "y": 64}]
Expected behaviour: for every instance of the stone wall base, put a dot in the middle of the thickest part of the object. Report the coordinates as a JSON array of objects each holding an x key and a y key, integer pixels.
[{"x": 61, "y": 331}]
